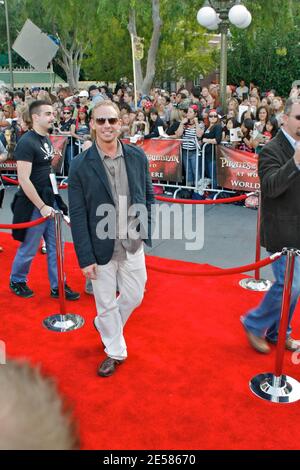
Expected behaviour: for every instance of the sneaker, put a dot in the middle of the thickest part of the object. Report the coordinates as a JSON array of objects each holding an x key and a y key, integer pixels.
[
  {"x": 69, "y": 293},
  {"x": 43, "y": 249},
  {"x": 21, "y": 289}
]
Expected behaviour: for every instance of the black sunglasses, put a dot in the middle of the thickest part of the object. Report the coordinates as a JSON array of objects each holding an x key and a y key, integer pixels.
[
  {"x": 67, "y": 112},
  {"x": 297, "y": 117},
  {"x": 102, "y": 121},
  {"x": 213, "y": 116}
]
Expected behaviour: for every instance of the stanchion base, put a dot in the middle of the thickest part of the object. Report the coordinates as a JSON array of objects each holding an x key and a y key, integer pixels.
[
  {"x": 63, "y": 323},
  {"x": 258, "y": 285},
  {"x": 287, "y": 391}
]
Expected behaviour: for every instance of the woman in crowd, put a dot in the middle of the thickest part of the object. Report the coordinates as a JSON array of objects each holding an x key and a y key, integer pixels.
[
  {"x": 271, "y": 129},
  {"x": 140, "y": 125},
  {"x": 247, "y": 128},
  {"x": 231, "y": 123},
  {"x": 81, "y": 129},
  {"x": 190, "y": 131},
  {"x": 212, "y": 136},
  {"x": 277, "y": 109},
  {"x": 125, "y": 130},
  {"x": 175, "y": 119},
  {"x": 155, "y": 123}
]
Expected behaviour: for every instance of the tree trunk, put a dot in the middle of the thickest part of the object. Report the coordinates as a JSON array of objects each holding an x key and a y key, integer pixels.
[
  {"x": 71, "y": 63},
  {"x": 143, "y": 85},
  {"x": 150, "y": 71}
]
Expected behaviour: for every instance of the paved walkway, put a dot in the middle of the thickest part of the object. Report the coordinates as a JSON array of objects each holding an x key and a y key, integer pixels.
[{"x": 229, "y": 236}]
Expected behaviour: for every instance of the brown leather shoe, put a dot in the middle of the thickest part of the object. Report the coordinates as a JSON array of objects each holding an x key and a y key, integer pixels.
[
  {"x": 108, "y": 367},
  {"x": 257, "y": 342},
  {"x": 292, "y": 344}
]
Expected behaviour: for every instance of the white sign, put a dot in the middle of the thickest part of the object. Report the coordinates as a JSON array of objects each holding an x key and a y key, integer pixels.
[{"x": 35, "y": 46}]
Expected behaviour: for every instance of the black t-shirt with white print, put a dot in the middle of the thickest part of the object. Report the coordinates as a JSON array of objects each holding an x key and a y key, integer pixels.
[{"x": 37, "y": 149}]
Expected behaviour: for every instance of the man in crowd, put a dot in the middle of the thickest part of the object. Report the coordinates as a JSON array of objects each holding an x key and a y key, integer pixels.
[
  {"x": 102, "y": 180},
  {"x": 34, "y": 199},
  {"x": 242, "y": 90},
  {"x": 279, "y": 172}
]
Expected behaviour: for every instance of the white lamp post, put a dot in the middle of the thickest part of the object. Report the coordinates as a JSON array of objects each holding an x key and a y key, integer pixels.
[
  {"x": 4, "y": 2},
  {"x": 218, "y": 15}
]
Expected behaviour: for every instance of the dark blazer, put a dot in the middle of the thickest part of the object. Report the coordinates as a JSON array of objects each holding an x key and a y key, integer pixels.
[
  {"x": 89, "y": 188},
  {"x": 280, "y": 190}
]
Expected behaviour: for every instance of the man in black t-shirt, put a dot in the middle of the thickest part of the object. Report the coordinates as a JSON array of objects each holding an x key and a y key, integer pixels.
[{"x": 35, "y": 198}]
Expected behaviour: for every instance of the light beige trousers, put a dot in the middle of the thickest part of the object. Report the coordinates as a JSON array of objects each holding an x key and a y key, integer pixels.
[{"x": 129, "y": 276}]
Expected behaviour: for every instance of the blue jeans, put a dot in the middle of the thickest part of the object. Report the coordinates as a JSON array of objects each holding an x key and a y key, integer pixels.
[
  {"x": 211, "y": 166},
  {"x": 28, "y": 249},
  {"x": 264, "y": 320},
  {"x": 189, "y": 159}
]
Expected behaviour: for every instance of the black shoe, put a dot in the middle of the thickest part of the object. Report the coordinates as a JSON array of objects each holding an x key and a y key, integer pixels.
[
  {"x": 69, "y": 294},
  {"x": 21, "y": 289},
  {"x": 108, "y": 367}
]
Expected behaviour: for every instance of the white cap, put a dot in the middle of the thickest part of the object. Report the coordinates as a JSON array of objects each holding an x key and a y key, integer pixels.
[{"x": 84, "y": 93}]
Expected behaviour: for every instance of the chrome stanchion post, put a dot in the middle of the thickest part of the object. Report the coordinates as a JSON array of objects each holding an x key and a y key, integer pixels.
[
  {"x": 257, "y": 284},
  {"x": 63, "y": 321},
  {"x": 277, "y": 387}
]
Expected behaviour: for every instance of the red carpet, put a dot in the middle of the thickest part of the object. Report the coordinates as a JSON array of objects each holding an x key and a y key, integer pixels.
[{"x": 185, "y": 383}]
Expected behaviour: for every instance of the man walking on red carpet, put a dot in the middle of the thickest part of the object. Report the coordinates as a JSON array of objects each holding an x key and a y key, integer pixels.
[
  {"x": 279, "y": 172},
  {"x": 100, "y": 180}
]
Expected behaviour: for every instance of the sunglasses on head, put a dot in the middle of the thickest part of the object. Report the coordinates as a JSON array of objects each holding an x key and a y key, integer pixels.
[{"x": 102, "y": 121}]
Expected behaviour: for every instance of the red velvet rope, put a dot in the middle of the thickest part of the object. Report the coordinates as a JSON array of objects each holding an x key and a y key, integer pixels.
[
  {"x": 217, "y": 272},
  {"x": 24, "y": 225},
  {"x": 204, "y": 201},
  {"x": 9, "y": 180},
  {"x": 168, "y": 199}
]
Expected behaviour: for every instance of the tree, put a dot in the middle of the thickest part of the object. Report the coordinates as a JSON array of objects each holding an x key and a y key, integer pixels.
[
  {"x": 182, "y": 50},
  {"x": 72, "y": 23},
  {"x": 269, "y": 56}
]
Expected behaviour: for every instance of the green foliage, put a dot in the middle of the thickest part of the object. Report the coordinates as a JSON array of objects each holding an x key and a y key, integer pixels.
[{"x": 268, "y": 55}]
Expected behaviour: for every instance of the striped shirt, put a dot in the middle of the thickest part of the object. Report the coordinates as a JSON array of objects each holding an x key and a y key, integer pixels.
[{"x": 189, "y": 138}]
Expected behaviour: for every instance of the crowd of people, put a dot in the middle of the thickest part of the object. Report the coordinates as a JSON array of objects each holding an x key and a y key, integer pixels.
[{"x": 195, "y": 116}]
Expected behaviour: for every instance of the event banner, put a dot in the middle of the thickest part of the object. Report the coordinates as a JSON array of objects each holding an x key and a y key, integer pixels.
[
  {"x": 237, "y": 170},
  {"x": 164, "y": 158},
  {"x": 8, "y": 165},
  {"x": 59, "y": 143}
]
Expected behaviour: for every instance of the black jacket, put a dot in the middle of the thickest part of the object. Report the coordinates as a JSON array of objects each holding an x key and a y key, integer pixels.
[
  {"x": 89, "y": 188},
  {"x": 280, "y": 189}
]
